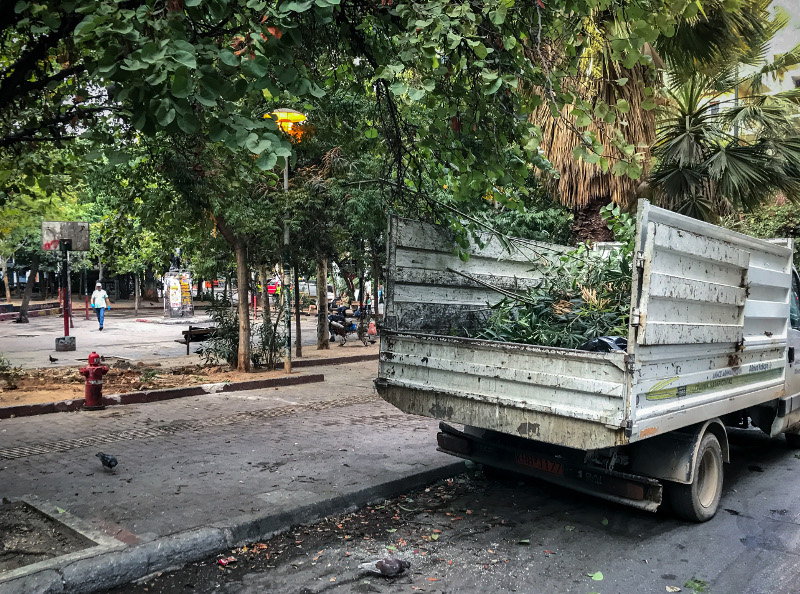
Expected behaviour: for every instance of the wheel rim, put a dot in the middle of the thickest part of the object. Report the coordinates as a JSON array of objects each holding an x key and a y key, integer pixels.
[{"x": 707, "y": 478}]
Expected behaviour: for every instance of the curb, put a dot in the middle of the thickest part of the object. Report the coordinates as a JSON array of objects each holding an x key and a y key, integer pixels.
[
  {"x": 28, "y": 410},
  {"x": 334, "y": 360},
  {"x": 117, "y": 567}
]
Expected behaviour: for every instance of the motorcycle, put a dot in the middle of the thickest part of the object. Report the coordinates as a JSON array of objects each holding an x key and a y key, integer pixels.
[{"x": 342, "y": 327}]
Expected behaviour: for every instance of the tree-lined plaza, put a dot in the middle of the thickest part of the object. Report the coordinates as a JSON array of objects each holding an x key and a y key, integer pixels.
[{"x": 156, "y": 122}]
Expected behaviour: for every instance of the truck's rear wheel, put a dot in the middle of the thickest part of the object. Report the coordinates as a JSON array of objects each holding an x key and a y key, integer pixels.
[
  {"x": 793, "y": 440},
  {"x": 699, "y": 500}
]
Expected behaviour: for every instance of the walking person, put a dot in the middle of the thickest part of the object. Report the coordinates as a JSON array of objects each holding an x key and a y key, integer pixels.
[{"x": 100, "y": 303}]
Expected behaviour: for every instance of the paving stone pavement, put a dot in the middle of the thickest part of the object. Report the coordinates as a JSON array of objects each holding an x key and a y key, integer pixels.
[{"x": 197, "y": 461}]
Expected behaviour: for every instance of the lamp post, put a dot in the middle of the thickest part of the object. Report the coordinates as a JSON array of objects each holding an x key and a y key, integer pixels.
[{"x": 286, "y": 118}]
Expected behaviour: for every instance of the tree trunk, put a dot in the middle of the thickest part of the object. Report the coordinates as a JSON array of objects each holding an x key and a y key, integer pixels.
[
  {"x": 376, "y": 282},
  {"x": 150, "y": 286},
  {"x": 199, "y": 289},
  {"x": 298, "y": 347},
  {"x": 44, "y": 286},
  {"x": 323, "y": 332},
  {"x": 22, "y": 317},
  {"x": 265, "y": 313},
  {"x": 242, "y": 276},
  {"x": 242, "y": 281},
  {"x": 4, "y": 264},
  {"x": 100, "y": 270},
  {"x": 136, "y": 293}
]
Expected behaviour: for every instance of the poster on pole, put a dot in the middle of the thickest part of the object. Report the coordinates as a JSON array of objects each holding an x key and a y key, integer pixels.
[{"x": 178, "y": 301}]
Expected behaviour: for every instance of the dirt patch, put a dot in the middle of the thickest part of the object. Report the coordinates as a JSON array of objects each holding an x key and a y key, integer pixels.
[
  {"x": 28, "y": 536},
  {"x": 36, "y": 386}
]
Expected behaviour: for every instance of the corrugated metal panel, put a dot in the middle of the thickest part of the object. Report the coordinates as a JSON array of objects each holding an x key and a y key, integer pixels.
[
  {"x": 430, "y": 289},
  {"x": 558, "y": 396},
  {"x": 714, "y": 310}
]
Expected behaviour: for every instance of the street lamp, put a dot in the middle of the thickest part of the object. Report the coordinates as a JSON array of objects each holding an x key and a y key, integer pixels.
[{"x": 286, "y": 118}]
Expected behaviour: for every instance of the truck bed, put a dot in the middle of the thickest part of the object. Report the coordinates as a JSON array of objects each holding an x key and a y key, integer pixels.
[{"x": 707, "y": 338}]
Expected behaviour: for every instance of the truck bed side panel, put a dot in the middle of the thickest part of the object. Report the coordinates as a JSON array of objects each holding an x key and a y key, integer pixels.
[
  {"x": 430, "y": 289},
  {"x": 713, "y": 312}
]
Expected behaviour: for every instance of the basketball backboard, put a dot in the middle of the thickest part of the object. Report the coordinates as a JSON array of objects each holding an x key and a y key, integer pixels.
[{"x": 55, "y": 231}]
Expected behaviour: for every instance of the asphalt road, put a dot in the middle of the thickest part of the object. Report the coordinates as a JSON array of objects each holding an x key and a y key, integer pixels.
[{"x": 471, "y": 534}]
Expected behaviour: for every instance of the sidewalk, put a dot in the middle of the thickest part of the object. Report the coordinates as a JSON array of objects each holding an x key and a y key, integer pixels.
[{"x": 200, "y": 474}]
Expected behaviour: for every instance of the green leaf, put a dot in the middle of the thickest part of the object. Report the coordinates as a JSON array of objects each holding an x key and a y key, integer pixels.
[
  {"x": 297, "y": 6},
  {"x": 416, "y": 94},
  {"x": 569, "y": 528},
  {"x": 492, "y": 89},
  {"x": 398, "y": 88},
  {"x": 604, "y": 521},
  {"x": 371, "y": 133},
  {"x": 58, "y": 509},
  {"x": 191, "y": 3},
  {"x": 188, "y": 123},
  {"x": 229, "y": 58},
  {"x": 524, "y": 541},
  {"x": 180, "y": 84},
  {"x": 185, "y": 58},
  {"x": 623, "y": 106},
  {"x": 481, "y": 51},
  {"x": 597, "y": 576},
  {"x": 267, "y": 161},
  {"x": 622, "y": 81},
  {"x": 619, "y": 168}
]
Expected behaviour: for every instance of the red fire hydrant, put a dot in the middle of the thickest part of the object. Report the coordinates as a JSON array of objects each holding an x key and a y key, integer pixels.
[{"x": 94, "y": 372}]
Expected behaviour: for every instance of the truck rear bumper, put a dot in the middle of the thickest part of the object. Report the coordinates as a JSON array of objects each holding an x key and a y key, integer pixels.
[{"x": 546, "y": 463}]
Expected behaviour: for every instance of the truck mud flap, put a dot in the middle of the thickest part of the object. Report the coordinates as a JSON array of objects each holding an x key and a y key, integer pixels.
[{"x": 548, "y": 464}]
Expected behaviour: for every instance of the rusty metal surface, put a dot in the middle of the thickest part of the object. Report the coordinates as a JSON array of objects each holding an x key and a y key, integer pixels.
[{"x": 559, "y": 396}]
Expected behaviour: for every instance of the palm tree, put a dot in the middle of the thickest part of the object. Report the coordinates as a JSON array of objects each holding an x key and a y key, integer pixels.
[
  {"x": 706, "y": 42},
  {"x": 704, "y": 169}
]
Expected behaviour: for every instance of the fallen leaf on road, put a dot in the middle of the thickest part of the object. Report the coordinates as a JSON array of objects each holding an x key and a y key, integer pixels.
[
  {"x": 437, "y": 531},
  {"x": 333, "y": 579},
  {"x": 391, "y": 530},
  {"x": 524, "y": 541},
  {"x": 569, "y": 528},
  {"x": 433, "y": 579},
  {"x": 604, "y": 521},
  {"x": 672, "y": 588},
  {"x": 549, "y": 552},
  {"x": 61, "y": 511},
  {"x": 596, "y": 576}
]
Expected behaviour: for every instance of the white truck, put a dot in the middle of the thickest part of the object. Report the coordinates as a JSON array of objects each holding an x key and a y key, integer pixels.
[{"x": 714, "y": 326}]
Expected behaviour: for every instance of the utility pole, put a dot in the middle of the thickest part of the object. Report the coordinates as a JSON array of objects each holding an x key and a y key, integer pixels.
[{"x": 287, "y": 354}]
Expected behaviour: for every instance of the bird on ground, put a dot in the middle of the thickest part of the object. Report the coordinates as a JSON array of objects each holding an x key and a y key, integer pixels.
[
  {"x": 108, "y": 461},
  {"x": 388, "y": 567},
  {"x": 52, "y": 358}
]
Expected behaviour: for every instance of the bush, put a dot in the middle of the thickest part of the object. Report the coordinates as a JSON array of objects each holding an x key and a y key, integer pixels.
[
  {"x": 8, "y": 373},
  {"x": 223, "y": 345}
]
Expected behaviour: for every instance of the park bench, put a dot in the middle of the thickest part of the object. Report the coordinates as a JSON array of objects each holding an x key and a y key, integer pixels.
[{"x": 195, "y": 334}]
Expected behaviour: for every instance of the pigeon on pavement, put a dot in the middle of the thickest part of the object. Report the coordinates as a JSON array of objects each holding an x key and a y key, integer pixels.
[
  {"x": 388, "y": 567},
  {"x": 108, "y": 461},
  {"x": 52, "y": 359}
]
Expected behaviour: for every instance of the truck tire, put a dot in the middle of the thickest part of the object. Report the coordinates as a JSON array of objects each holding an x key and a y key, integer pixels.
[
  {"x": 793, "y": 440},
  {"x": 699, "y": 500}
]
